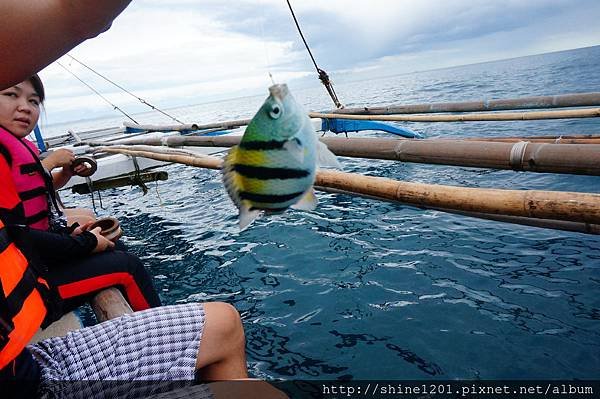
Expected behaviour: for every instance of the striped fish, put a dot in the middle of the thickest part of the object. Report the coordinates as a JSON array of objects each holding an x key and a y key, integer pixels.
[{"x": 274, "y": 166}]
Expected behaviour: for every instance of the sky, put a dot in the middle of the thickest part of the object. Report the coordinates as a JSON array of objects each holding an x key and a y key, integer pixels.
[{"x": 181, "y": 52}]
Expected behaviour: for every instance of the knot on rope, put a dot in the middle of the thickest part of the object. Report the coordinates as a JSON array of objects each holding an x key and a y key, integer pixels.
[{"x": 324, "y": 78}]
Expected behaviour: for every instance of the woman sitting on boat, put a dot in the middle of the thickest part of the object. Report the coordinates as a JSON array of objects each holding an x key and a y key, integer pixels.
[
  {"x": 35, "y": 180},
  {"x": 172, "y": 343},
  {"x": 80, "y": 262},
  {"x": 168, "y": 343}
]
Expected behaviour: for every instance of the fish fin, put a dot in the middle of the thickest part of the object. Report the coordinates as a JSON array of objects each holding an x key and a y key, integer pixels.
[
  {"x": 247, "y": 215},
  {"x": 231, "y": 179},
  {"x": 307, "y": 202},
  {"x": 294, "y": 147},
  {"x": 326, "y": 158}
]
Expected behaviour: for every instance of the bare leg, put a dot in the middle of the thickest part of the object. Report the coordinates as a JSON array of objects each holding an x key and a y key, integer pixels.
[{"x": 222, "y": 353}]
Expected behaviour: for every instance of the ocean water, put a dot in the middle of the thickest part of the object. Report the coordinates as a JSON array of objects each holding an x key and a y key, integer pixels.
[{"x": 363, "y": 289}]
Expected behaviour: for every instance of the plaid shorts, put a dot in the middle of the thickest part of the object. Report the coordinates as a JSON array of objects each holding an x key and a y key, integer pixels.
[{"x": 135, "y": 355}]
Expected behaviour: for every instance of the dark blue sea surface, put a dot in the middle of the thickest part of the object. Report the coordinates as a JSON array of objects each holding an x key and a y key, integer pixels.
[{"x": 365, "y": 289}]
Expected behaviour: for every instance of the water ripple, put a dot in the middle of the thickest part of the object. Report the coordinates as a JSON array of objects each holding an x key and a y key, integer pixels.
[{"x": 367, "y": 289}]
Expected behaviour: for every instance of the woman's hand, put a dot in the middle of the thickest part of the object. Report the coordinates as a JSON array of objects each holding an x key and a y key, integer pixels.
[
  {"x": 59, "y": 158},
  {"x": 81, "y": 169},
  {"x": 103, "y": 243},
  {"x": 81, "y": 228}
]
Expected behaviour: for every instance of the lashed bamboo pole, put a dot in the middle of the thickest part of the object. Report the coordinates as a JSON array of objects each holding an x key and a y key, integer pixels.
[
  {"x": 533, "y": 157},
  {"x": 127, "y": 180},
  {"x": 556, "y": 205},
  {"x": 570, "y": 206},
  {"x": 175, "y": 141},
  {"x": 157, "y": 149},
  {"x": 496, "y": 116},
  {"x": 385, "y": 114},
  {"x": 521, "y": 156},
  {"x": 525, "y": 221},
  {"x": 571, "y": 139},
  {"x": 207, "y": 161},
  {"x": 556, "y": 101},
  {"x": 227, "y": 141},
  {"x": 190, "y": 126}
]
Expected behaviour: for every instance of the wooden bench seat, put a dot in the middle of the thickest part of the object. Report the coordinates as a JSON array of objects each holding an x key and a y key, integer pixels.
[{"x": 107, "y": 305}]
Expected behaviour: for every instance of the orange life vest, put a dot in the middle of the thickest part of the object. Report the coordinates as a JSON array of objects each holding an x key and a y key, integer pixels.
[
  {"x": 24, "y": 309},
  {"x": 24, "y": 295}
]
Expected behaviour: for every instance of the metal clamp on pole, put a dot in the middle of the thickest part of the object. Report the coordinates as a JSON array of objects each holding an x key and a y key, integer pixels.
[{"x": 517, "y": 154}]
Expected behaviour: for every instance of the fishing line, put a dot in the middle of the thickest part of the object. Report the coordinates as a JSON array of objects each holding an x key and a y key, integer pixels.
[
  {"x": 323, "y": 77},
  {"x": 125, "y": 90},
  {"x": 268, "y": 63},
  {"x": 95, "y": 91}
]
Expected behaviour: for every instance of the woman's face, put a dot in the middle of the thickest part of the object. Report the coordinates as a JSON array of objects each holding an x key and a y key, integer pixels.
[{"x": 19, "y": 108}]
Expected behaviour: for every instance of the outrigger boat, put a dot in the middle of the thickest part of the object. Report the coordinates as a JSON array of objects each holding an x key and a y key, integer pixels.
[{"x": 113, "y": 169}]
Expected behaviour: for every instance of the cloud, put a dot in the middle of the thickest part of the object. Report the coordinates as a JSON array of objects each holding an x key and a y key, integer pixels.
[
  {"x": 185, "y": 51},
  {"x": 343, "y": 33}
]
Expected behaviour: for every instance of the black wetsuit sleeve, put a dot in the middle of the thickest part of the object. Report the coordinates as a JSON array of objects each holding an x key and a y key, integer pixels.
[{"x": 53, "y": 248}]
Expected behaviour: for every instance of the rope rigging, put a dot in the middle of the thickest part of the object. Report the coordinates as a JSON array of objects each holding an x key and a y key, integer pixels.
[
  {"x": 95, "y": 91},
  {"x": 323, "y": 77},
  {"x": 125, "y": 90}
]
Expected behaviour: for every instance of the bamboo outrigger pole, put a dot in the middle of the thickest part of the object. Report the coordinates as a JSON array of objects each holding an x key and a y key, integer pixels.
[
  {"x": 557, "y": 101},
  {"x": 521, "y": 156},
  {"x": 563, "y": 139},
  {"x": 570, "y": 206},
  {"x": 494, "y": 116},
  {"x": 555, "y": 205},
  {"x": 189, "y": 126},
  {"x": 564, "y": 225}
]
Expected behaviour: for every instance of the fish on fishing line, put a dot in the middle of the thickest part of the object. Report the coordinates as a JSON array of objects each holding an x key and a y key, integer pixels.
[{"x": 274, "y": 166}]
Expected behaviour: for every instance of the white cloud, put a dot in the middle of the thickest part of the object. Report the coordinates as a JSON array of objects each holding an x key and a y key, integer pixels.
[{"x": 185, "y": 51}]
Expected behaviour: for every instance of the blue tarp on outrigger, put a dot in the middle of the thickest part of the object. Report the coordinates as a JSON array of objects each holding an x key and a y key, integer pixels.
[
  {"x": 191, "y": 132},
  {"x": 348, "y": 125}
]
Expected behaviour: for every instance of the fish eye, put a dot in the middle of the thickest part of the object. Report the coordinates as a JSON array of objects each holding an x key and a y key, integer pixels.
[{"x": 275, "y": 111}]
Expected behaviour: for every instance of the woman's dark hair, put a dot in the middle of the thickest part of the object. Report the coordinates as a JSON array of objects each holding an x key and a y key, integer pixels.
[{"x": 38, "y": 86}]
